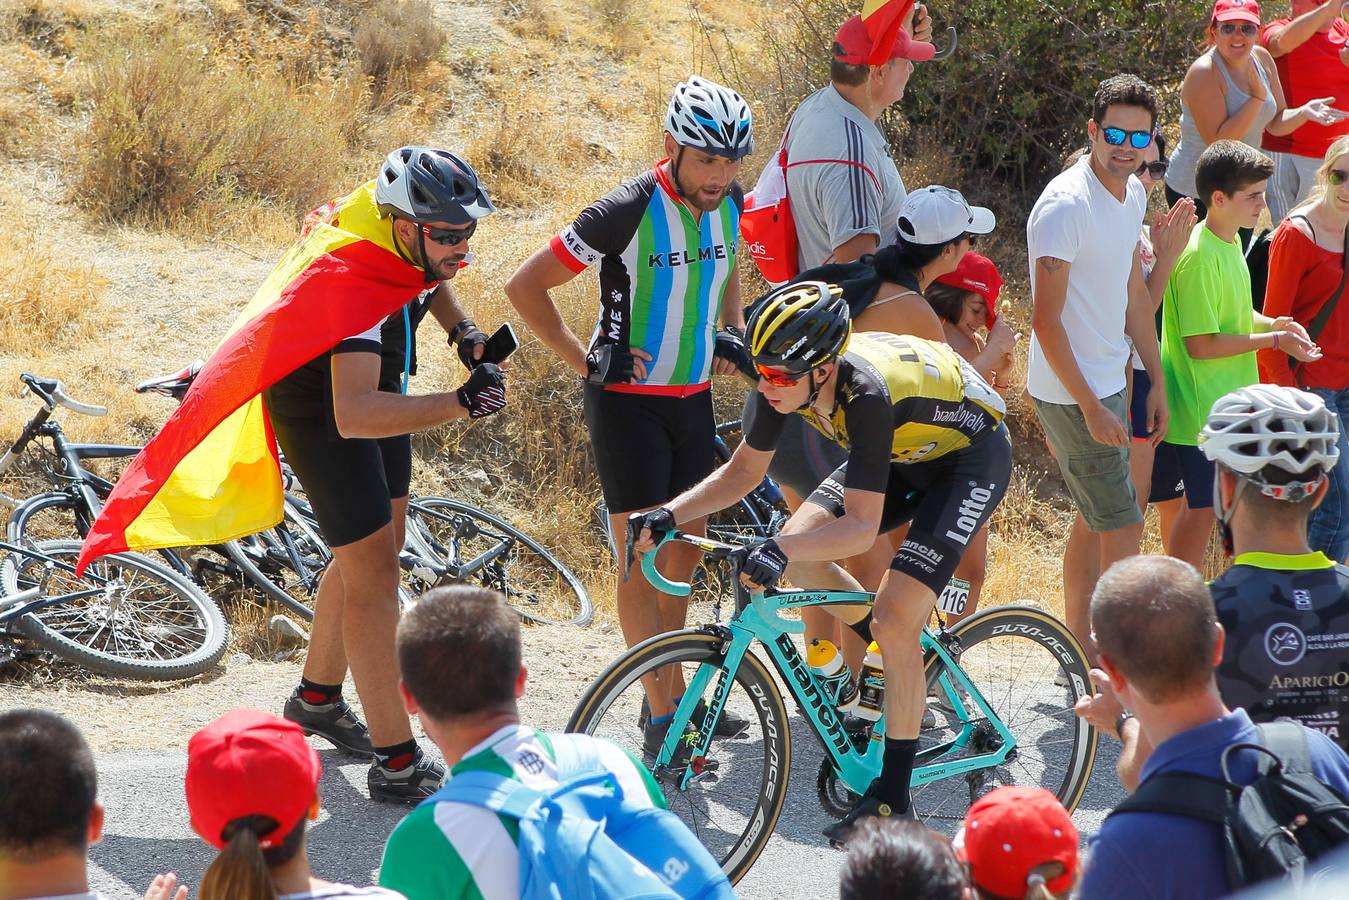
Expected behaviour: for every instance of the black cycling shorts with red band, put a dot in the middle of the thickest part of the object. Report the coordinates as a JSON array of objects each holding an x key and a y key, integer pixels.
[
  {"x": 946, "y": 501},
  {"x": 349, "y": 482},
  {"x": 648, "y": 448}
]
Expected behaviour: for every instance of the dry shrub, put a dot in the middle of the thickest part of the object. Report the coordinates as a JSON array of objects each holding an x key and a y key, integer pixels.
[
  {"x": 47, "y": 301},
  {"x": 521, "y": 149},
  {"x": 172, "y": 125},
  {"x": 396, "y": 40}
]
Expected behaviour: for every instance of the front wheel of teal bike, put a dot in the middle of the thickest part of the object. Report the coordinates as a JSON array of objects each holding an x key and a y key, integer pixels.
[
  {"x": 733, "y": 801},
  {"x": 1029, "y": 671}
]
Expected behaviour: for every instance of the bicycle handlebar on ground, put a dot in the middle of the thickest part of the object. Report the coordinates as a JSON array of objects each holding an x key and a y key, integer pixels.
[{"x": 53, "y": 394}]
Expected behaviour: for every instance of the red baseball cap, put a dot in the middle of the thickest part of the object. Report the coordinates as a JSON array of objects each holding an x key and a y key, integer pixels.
[
  {"x": 249, "y": 763},
  {"x": 855, "y": 45},
  {"x": 978, "y": 274},
  {"x": 1011, "y": 831},
  {"x": 1236, "y": 11}
]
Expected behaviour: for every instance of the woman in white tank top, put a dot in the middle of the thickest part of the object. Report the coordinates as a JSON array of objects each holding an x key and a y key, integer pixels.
[{"x": 1232, "y": 92}]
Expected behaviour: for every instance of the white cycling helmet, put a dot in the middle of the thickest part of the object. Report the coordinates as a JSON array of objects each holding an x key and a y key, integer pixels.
[
  {"x": 428, "y": 184},
  {"x": 708, "y": 117},
  {"x": 1267, "y": 425}
]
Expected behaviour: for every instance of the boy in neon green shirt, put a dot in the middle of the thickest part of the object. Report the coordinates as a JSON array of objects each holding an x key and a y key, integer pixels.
[{"x": 1209, "y": 331}]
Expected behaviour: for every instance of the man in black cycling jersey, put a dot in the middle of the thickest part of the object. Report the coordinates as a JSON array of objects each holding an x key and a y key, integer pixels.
[
  {"x": 665, "y": 243},
  {"x": 1283, "y": 607},
  {"x": 925, "y": 446},
  {"x": 343, "y": 422}
]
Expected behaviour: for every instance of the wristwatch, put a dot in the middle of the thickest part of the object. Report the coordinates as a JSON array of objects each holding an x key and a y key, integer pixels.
[{"x": 1119, "y": 723}]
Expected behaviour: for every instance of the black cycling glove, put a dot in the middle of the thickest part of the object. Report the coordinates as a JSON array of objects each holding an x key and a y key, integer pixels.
[
  {"x": 485, "y": 391},
  {"x": 609, "y": 364},
  {"x": 658, "y": 521},
  {"x": 765, "y": 564},
  {"x": 468, "y": 336},
  {"x": 731, "y": 345}
]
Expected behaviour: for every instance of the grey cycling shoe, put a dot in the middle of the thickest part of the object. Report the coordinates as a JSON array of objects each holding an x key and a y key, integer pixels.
[
  {"x": 335, "y": 722},
  {"x": 413, "y": 784},
  {"x": 728, "y": 724}
]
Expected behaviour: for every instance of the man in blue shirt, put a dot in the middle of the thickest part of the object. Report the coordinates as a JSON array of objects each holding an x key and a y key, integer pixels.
[{"x": 1159, "y": 642}]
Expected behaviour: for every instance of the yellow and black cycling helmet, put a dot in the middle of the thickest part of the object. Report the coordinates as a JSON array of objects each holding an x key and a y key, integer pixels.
[{"x": 799, "y": 326}]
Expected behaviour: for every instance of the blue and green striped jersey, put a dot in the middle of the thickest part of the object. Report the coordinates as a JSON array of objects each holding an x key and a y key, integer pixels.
[{"x": 662, "y": 272}]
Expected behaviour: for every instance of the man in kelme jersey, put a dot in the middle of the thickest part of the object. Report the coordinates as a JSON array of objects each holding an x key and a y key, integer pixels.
[
  {"x": 925, "y": 445},
  {"x": 343, "y": 422},
  {"x": 1284, "y": 608},
  {"x": 665, "y": 242}
]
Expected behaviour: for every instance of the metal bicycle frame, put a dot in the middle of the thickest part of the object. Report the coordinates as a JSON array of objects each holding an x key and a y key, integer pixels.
[
  {"x": 418, "y": 553},
  {"x": 759, "y": 619},
  {"x": 15, "y": 606}
]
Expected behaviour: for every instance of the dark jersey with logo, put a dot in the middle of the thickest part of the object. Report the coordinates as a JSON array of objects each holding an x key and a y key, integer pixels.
[{"x": 1287, "y": 651}]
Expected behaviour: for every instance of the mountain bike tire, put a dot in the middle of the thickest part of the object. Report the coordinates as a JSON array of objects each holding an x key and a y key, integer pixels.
[
  {"x": 750, "y": 785},
  {"x": 1031, "y": 670},
  {"x": 536, "y": 584},
  {"x": 158, "y": 625}
]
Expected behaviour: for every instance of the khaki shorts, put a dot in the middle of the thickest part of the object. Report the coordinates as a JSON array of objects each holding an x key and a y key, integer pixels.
[{"x": 1097, "y": 476}]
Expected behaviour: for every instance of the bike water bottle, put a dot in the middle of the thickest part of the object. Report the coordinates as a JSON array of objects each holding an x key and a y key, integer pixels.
[
  {"x": 870, "y": 685},
  {"x": 832, "y": 671}
]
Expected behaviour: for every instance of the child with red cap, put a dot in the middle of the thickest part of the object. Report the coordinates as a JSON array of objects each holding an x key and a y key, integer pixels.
[
  {"x": 966, "y": 301},
  {"x": 1019, "y": 843},
  {"x": 252, "y": 783}
]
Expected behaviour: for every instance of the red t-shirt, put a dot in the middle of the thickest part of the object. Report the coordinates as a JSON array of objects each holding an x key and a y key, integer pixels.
[
  {"x": 1310, "y": 72},
  {"x": 1302, "y": 276}
]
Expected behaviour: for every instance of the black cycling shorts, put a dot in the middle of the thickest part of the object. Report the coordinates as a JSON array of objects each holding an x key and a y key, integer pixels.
[
  {"x": 649, "y": 448},
  {"x": 349, "y": 482},
  {"x": 947, "y": 500}
]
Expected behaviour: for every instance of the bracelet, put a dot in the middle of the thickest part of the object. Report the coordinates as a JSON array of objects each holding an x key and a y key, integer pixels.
[
  {"x": 1119, "y": 723},
  {"x": 1276, "y": 339},
  {"x": 459, "y": 329}
]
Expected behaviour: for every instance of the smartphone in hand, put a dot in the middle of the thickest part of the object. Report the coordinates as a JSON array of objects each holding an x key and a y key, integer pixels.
[{"x": 500, "y": 345}]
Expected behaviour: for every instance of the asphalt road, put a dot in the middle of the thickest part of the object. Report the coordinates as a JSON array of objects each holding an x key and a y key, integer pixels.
[{"x": 148, "y": 831}]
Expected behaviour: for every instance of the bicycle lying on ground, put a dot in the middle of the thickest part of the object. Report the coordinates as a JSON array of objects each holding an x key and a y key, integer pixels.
[
  {"x": 998, "y": 714},
  {"x": 447, "y": 540}
]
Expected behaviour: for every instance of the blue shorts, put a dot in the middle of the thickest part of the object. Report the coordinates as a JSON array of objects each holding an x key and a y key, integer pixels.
[
  {"x": 1197, "y": 473},
  {"x": 1138, "y": 405},
  {"x": 1168, "y": 480}
]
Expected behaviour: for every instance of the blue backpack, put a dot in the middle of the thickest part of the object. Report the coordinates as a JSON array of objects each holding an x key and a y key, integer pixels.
[{"x": 584, "y": 840}]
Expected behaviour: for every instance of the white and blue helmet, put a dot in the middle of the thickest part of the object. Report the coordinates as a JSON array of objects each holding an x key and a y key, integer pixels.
[{"x": 708, "y": 117}]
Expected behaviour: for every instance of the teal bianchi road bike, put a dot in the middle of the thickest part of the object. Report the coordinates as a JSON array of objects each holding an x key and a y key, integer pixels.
[{"x": 1001, "y": 688}]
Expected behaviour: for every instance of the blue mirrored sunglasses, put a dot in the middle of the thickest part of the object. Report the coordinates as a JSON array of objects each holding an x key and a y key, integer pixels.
[{"x": 1139, "y": 140}]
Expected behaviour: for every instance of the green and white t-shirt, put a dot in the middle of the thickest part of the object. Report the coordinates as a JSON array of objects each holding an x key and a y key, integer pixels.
[{"x": 449, "y": 850}]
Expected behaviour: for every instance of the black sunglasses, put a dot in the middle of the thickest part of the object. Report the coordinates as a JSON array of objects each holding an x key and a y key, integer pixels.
[
  {"x": 1155, "y": 169},
  {"x": 1247, "y": 29},
  {"x": 449, "y": 237}
]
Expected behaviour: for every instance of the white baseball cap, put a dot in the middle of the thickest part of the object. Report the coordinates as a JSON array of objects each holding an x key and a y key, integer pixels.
[{"x": 936, "y": 214}]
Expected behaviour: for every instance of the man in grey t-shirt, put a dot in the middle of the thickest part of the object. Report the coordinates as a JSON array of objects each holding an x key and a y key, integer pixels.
[{"x": 847, "y": 204}]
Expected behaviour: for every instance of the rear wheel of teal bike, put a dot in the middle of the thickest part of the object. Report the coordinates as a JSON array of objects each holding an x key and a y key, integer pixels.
[
  {"x": 1031, "y": 671},
  {"x": 734, "y": 803}
]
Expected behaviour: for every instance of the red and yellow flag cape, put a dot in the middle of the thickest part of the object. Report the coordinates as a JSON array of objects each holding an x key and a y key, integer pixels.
[{"x": 212, "y": 474}]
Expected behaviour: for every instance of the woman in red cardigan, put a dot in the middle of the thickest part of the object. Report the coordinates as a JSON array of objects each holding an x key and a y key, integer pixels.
[{"x": 1306, "y": 263}]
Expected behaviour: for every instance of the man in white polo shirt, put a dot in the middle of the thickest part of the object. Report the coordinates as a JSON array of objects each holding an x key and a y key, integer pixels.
[{"x": 1089, "y": 295}]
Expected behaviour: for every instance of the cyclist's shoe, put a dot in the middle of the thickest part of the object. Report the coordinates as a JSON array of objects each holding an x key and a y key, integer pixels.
[
  {"x": 729, "y": 724},
  {"x": 335, "y": 722},
  {"x": 653, "y": 736},
  {"x": 840, "y": 832},
  {"x": 413, "y": 784}
]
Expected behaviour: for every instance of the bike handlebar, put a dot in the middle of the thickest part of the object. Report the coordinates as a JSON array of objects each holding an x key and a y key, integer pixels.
[
  {"x": 714, "y": 549},
  {"x": 53, "y": 394}
]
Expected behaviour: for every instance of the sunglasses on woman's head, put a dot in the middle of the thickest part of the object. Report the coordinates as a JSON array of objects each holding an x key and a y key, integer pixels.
[
  {"x": 449, "y": 237},
  {"x": 776, "y": 377},
  {"x": 1115, "y": 137},
  {"x": 1154, "y": 169},
  {"x": 1337, "y": 177},
  {"x": 1247, "y": 29}
]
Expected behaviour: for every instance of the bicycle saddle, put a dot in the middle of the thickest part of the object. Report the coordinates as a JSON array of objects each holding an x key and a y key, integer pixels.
[{"x": 174, "y": 385}]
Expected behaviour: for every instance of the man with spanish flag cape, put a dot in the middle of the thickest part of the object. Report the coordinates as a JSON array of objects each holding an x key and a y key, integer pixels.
[{"x": 318, "y": 363}]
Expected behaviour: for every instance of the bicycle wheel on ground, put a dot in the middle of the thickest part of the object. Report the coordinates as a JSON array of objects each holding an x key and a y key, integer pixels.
[
  {"x": 734, "y": 807},
  {"x": 479, "y": 548},
  {"x": 145, "y": 621},
  {"x": 286, "y": 562},
  {"x": 1031, "y": 671}
]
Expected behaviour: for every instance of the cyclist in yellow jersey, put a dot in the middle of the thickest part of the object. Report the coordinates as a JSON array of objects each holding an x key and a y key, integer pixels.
[{"x": 925, "y": 446}]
